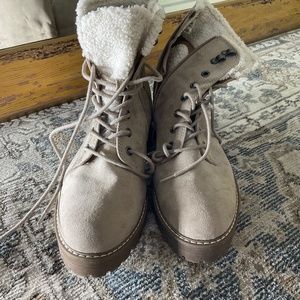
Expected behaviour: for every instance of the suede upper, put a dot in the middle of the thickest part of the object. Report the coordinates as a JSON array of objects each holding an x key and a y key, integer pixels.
[
  {"x": 103, "y": 194},
  {"x": 100, "y": 203},
  {"x": 99, "y": 206},
  {"x": 202, "y": 203},
  {"x": 199, "y": 204}
]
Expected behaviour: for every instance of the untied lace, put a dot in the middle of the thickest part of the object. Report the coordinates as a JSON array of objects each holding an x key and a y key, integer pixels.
[
  {"x": 94, "y": 94},
  {"x": 199, "y": 105}
]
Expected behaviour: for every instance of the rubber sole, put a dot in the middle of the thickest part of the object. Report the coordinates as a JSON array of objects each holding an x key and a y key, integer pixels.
[
  {"x": 97, "y": 265},
  {"x": 196, "y": 251}
]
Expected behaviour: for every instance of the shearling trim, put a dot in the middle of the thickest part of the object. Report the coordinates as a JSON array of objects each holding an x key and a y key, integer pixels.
[
  {"x": 210, "y": 23},
  {"x": 112, "y": 34},
  {"x": 179, "y": 53},
  {"x": 154, "y": 27},
  {"x": 86, "y": 6}
]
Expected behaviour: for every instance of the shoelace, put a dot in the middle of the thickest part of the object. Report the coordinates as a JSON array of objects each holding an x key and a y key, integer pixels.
[
  {"x": 94, "y": 95},
  {"x": 189, "y": 121}
]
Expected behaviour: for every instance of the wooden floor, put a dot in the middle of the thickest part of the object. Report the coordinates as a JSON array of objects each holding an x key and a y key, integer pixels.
[{"x": 47, "y": 73}]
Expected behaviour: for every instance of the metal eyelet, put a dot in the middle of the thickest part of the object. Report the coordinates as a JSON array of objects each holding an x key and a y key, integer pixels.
[
  {"x": 183, "y": 98},
  {"x": 128, "y": 151},
  {"x": 205, "y": 73},
  {"x": 170, "y": 145},
  {"x": 193, "y": 85},
  {"x": 130, "y": 132}
]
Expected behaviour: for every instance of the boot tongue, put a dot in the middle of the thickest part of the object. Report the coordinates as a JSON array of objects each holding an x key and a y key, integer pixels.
[{"x": 113, "y": 36}]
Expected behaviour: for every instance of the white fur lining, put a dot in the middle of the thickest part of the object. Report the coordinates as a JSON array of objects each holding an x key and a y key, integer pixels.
[{"x": 113, "y": 33}]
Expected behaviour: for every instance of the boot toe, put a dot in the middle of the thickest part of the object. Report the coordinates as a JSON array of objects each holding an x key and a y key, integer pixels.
[
  {"x": 98, "y": 213},
  {"x": 197, "y": 211}
]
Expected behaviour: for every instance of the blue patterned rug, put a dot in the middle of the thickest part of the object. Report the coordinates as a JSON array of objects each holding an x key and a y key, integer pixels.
[{"x": 259, "y": 121}]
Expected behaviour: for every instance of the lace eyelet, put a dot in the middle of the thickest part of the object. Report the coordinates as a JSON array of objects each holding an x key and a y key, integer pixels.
[
  {"x": 170, "y": 145},
  {"x": 183, "y": 98},
  {"x": 205, "y": 73},
  {"x": 172, "y": 130},
  {"x": 175, "y": 113},
  {"x": 130, "y": 132},
  {"x": 129, "y": 151},
  {"x": 193, "y": 85}
]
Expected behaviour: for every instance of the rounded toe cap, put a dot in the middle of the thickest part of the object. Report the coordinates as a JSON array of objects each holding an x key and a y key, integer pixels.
[
  {"x": 98, "y": 213},
  {"x": 199, "y": 209}
]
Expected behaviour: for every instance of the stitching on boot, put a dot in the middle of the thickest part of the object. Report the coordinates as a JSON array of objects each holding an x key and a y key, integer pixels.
[
  {"x": 70, "y": 250},
  {"x": 201, "y": 242}
]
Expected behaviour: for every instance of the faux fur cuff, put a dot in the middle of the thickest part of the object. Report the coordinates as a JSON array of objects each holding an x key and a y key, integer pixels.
[{"x": 113, "y": 33}]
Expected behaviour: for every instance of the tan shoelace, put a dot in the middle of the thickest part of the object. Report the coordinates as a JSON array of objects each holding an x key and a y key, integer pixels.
[
  {"x": 97, "y": 88},
  {"x": 189, "y": 121}
]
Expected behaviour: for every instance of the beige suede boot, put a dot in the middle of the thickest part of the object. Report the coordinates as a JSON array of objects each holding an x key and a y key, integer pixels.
[
  {"x": 196, "y": 196},
  {"x": 101, "y": 195}
]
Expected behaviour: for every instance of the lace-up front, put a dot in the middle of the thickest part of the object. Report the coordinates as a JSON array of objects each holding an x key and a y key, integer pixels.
[
  {"x": 189, "y": 120},
  {"x": 109, "y": 99},
  {"x": 108, "y": 105},
  {"x": 195, "y": 198}
]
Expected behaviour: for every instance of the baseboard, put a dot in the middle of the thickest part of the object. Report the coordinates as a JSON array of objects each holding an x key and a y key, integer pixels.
[{"x": 47, "y": 73}]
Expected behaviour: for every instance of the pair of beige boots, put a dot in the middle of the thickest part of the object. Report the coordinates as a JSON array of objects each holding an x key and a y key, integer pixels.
[{"x": 101, "y": 198}]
